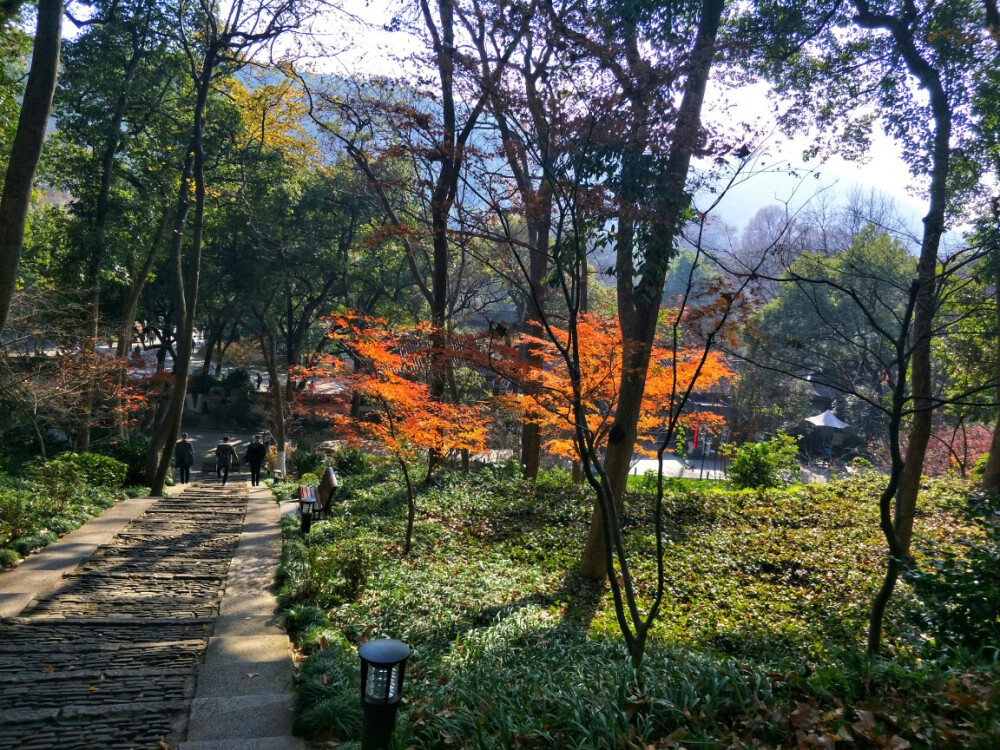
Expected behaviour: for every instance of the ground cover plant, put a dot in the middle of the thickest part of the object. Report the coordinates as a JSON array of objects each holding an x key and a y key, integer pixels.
[
  {"x": 760, "y": 643},
  {"x": 54, "y": 497}
]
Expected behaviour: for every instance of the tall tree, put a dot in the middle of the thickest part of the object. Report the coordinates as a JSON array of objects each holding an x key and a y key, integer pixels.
[
  {"x": 873, "y": 53},
  {"x": 435, "y": 131},
  {"x": 622, "y": 182},
  {"x": 223, "y": 37},
  {"x": 652, "y": 105},
  {"x": 988, "y": 229},
  {"x": 115, "y": 80},
  {"x": 26, "y": 148},
  {"x": 531, "y": 129}
]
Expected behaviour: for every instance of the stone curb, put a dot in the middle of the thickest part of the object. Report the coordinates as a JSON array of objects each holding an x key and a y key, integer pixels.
[{"x": 243, "y": 699}]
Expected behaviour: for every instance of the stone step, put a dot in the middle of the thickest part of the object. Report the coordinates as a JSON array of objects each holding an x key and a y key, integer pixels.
[
  {"x": 76, "y": 659},
  {"x": 107, "y": 629},
  {"x": 256, "y": 743},
  {"x": 93, "y": 689},
  {"x": 136, "y": 728},
  {"x": 174, "y": 564},
  {"x": 102, "y": 586},
  {"x": 137, "y": 611}
]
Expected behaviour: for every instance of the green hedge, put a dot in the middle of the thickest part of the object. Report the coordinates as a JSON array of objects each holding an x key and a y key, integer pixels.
[{"x": 55, "y": 497}]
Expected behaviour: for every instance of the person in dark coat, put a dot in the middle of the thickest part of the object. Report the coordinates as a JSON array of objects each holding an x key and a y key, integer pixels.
[
  {"x": 225, "y": 458},
  {"x": 256, "y": 453},
  {"x": 184, "y": 455}
]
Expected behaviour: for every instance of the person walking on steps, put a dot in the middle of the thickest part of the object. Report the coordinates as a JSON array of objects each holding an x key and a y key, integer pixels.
[
  {"x": 256, "y": 453},
  {"x": 184, "y": 455},
  {"x": 225, "y": 458}
]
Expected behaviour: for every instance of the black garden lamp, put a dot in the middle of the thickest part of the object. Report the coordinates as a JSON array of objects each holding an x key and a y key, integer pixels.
[
  {"x": 306, "y": 507},
  {"x": 383, "y": 664}
]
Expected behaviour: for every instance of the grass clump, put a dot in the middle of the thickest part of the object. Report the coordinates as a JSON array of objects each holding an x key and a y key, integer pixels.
[
  {"x": 55, "y": 497},
  {"x": 758, "y": 644}
]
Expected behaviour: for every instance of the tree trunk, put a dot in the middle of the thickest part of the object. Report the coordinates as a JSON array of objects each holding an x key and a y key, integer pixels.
[
  {"x": 879, "y": 604},
  {"x": 531, "y": 432},
  {"x": 991, "y": 477},
  {"x": 531, "y": 448},
  {"x": 208, "y": 351},
  {"x": 269, "y": 348},
  {"x": 639, "y": 303},
  {"x": 27, "y": 147},
  {"x": 411, "y": 506},
  {"x": 185, "y": 289},
  {"x": 95, "y": 237},
  {"x": 925, "y": 293}
]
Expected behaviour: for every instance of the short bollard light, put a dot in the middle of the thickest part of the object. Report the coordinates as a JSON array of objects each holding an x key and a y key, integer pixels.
[
  {"x": 383, "y": 663},
  {"x": 306, "y": 506}
]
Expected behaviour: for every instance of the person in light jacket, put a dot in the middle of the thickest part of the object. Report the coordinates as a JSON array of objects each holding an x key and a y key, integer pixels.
[{"x": 225, "y": 459}]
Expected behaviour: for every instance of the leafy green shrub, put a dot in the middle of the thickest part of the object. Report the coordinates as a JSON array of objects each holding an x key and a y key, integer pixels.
[
  {"x": 58, "y": 478},
  {"x": 351, "y": 462},
  {"x": 26, "y": 544},
  {"x": 979, "y": 468},
  {"x": 307, "y": 461},
  {"x": 285, "y": 491},
  {"x": 309, "y": 479},
  {"x": 69, "y": 473},
  {"x": 96, "y": 470},
  {"x": 238, "y": 381},
  {"x": 509, "y": 469},
  {"x": 959, "y": 588},
  {"x": 861, "y": 465},
  {"x": 132, "y": 452},
  {"x": 8, "y": 557},
  {"x": 20, "y": 512},
  {"x": 328, "y": 567},
  {"x": 553, "y": 478},
  {"x": 767, "y": 465},
  {"x": 337, "y": 572},
  {"x": 301, "y": 618},
  {"x": 234, "y": 414},
  {"x": 201, "y": 382},
  {"x": 35, "y": 513}
]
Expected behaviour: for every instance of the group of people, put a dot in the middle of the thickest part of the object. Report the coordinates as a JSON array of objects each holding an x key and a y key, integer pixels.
[{"x": 226, "y": 458}]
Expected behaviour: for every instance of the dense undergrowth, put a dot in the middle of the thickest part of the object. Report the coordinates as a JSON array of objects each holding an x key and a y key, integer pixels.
[
  {"x": 54, "y": 497},
  {"x": 758, "y": 645}
]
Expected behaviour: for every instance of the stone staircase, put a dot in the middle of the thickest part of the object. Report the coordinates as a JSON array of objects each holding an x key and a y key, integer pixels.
[{"x": 110, "y": 658}]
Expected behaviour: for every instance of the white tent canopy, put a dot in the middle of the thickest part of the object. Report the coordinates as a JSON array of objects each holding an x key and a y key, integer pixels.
[{"x": 827, "y": 419}]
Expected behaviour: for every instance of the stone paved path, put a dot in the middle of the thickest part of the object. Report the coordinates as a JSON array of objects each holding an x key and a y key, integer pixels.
[{"x": 110, "y": 658}]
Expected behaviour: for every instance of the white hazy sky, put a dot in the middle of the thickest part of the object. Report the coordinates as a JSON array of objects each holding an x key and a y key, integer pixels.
[
  {"x": 372, "y": 50},
  {"x": 369, "y": 48}
]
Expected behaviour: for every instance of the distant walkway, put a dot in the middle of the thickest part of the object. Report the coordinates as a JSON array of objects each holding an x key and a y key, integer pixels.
[
  {"x": 675, "y": 467},
  {"x": 164, "y": 636},
  {"x": 712, "y": 469}
]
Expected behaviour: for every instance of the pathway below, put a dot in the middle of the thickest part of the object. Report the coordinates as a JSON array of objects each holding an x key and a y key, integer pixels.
[{"x": 152, "y": 626}]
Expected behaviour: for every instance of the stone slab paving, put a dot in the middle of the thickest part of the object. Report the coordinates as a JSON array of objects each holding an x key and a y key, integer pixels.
[
  {"x": 118, "y": 647},
  {"x": 243, "y": 701}
]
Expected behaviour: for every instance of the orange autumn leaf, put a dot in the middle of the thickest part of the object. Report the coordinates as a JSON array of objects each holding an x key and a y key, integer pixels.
[
  {"x": 390, "y": 373},
  {"x": 546, "y": 391}
]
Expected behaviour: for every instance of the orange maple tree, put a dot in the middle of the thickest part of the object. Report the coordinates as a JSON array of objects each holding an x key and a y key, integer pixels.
[
  {"x": 545, "y": 395},
  {"x": 389, "y": 370}
]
